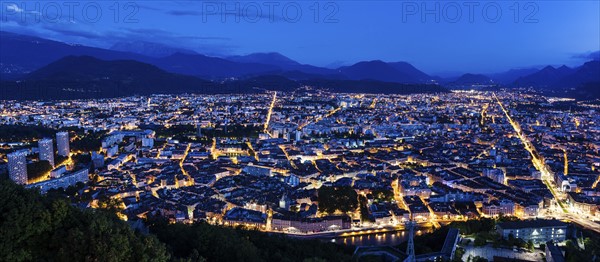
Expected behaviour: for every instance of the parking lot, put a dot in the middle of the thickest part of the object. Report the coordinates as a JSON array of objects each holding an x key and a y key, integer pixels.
[{"x": 489, "y": 252}]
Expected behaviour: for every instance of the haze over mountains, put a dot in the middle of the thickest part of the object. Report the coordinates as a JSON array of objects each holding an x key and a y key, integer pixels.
[
  {"x": 25, "y": 58},
  {"x": 149, "y": 49}
]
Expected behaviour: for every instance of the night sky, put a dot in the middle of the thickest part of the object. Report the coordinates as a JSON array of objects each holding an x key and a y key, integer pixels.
[{"x": 448, "y": 38}]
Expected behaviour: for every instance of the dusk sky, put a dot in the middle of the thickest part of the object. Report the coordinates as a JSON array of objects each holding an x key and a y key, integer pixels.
[{"x": 541, "y": 33}]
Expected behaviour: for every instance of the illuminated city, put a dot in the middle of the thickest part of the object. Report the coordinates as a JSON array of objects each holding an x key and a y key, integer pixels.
[
  {"x": 407, "y": 155},
  {"x": 173, "y": 146}
]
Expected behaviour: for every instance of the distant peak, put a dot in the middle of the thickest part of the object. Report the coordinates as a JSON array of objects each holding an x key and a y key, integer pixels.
[
  {"x": 471, "y": 74},
  {"x": 272, "y": 58},
  {"x": 548, "y": 68},
  {"x": 371, "y": 62},
  {"x": 376, "y": 62}
]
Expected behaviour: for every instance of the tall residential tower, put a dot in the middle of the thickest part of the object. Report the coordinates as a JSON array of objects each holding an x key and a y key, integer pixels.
[
  {"x": 17, "y": 167},
  {"x": 46, "y": 150},
  {"x": 62, "y": 143}
]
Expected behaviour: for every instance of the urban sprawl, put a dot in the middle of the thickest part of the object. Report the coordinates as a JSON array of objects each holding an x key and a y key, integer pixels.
[{"x": 287, "y": 162}]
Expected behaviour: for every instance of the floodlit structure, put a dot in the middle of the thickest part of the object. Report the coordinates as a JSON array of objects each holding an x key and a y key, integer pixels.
[
  {"x": 537, "y": 230},
  {"x": 17, "y": 167},
  {"x": 46, "y": 150},
  {"x": 62, "y": 143}
]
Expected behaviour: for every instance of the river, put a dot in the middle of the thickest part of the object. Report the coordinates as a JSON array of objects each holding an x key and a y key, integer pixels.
[{"x": 377, "y": 239}]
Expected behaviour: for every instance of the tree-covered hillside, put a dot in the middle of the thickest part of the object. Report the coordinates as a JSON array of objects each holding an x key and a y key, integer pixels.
[
  {"x": 36, "y": 228},
  {"x": 48, "y": 228}
]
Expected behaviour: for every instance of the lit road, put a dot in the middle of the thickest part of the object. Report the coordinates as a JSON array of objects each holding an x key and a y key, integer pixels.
[
  {"x": 483, "y": 111},
  {"x": 282, "y": 147},
  {"x": 538, "y": 163},
  {"x": 372, "y": 106},
  {"x": 252, "y": 148},
  {"x": 596, "y": 182},
  {"x": 185, "y": 154},
  {"x": 316, "y": 120},
  {"x": 582, "y": 221},
  {"x": 566, "y": 164},
  {"x": 213, "y": 148},
  {"x": 398, "y": 196},
  {"x": 270, "y": 112}
]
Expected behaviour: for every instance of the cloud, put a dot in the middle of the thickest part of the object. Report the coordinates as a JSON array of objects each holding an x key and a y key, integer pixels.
[
  {"x": 14, "y": 8},
  {"x": 183, "y": 13},
  {"x": 154, "y": 33},
  {"x": 209, "y": 45},
  {"x": 588, "y": 55},
  {"x": 74, "y": 32},
  {"x": 147, "y": 7},
  {"x": 147, "y": 31},
  {"x": 205, "y": 38},
  {"x": 250, "y": 14},
  {"x": 12, "y": 12},
  {"x": 594, "y": 55}
]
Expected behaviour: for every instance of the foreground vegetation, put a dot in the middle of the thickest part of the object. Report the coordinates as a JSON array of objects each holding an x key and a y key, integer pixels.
[
  {"x": 37, "y": 228},
  {"x": 50, "y": 228},
  {"x": 332, "y": 199},
  {"x": 200, "y": 241}
]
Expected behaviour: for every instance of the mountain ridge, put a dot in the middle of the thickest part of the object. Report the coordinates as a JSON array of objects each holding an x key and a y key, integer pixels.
[
  {"x": 82, "y": 77},
  {"x": 41, "y": 52}
]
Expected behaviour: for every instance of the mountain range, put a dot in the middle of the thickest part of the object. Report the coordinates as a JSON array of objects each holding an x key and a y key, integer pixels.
[
  {"x": 471, "y": 80},
  {"x": 149, "y": 49},
  {"x": 545, "y": 77},
  {"x": 79, "y": 77},
  {"x": 29, "y": 59}
]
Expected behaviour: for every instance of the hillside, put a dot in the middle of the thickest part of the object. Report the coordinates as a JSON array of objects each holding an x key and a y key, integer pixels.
[
  {"x": 587, "y": 73},
  {"x": 544, "y": 78},
  {"x": 382, "y": 71},
  {"x": 472, "y": 79},
  {"x": 22, "y": 54},
  {"x": 42, "y": 228},
  {"x": 37, "y": 228},
  {"x": 75, "y": 77}
]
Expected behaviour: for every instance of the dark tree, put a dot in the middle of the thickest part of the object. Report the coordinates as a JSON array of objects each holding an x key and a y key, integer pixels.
[
  {"x": 37, "y": 228},
  {"x": 344, "y": 199}
]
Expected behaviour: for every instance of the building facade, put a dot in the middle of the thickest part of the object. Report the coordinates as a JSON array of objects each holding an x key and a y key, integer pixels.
[
  {"x": 496, "y": 208},
  {"x": 46, "y": 148},
  {"x": 62, "y": 143},
  {"x": 537, "y": 230},
  {"x": 310, "y": 225},
  {"x": 17, "y": 167},
  {"x": 64, "y": 181}
]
